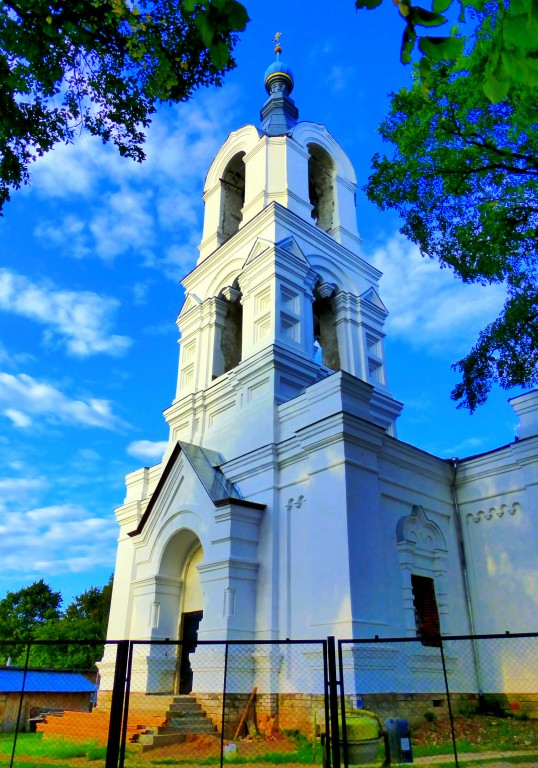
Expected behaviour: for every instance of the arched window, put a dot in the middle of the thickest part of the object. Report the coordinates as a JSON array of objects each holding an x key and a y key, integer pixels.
[
  {"x": 321, "y": 186},
  {"x": 325, "y": 336},
  {"x": 233, "y": 195}
]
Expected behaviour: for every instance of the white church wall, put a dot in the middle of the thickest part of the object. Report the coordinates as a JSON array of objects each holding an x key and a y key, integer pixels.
[{"x": 498, "y": 496}]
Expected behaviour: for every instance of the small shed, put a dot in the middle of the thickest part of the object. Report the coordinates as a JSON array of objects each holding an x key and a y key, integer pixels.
[{"x": 42, "y": 690}]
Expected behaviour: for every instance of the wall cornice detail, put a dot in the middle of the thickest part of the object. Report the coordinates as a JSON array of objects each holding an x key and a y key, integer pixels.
[{"x": 499, "y": 511}]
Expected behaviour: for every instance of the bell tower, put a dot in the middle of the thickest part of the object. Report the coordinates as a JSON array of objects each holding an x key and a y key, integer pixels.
[
  {"x": 280, "y": 297},
  {"x": 281, "y": 408}
]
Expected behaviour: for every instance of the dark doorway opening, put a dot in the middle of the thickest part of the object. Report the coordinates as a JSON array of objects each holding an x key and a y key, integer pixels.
[
  {"x": 189, "y": 633},
  {"x": 426, "y": 613}
]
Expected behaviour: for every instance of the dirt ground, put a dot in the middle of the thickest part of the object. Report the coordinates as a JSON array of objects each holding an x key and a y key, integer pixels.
[{"x": 484, "y": 731}]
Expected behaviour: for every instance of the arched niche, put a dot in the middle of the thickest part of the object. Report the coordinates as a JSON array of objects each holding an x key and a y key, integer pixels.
[
  {"x": 177, "y": 553},
  {"x": 321, "y": 181},
  {"x": 324, "y": 321},
  {"x": 193, "y": 599},
  {"x": 233, "y": 196},
  {"x": 423, "y": 556}
]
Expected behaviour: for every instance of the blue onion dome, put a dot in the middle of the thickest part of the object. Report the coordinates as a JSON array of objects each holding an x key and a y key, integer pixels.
[
  {"x": 279, "y": 114},
  {"x": 278, "y": 76}
]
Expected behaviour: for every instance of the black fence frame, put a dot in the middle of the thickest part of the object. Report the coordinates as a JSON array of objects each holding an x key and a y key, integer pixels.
[
  {"x": 336, "y": 743},
  {"x": 119, "y": 709}
]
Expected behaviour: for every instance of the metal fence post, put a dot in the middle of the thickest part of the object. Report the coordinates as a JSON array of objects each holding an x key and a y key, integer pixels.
[
  {"x": 448, "y": 702},
  {"x": 126, "y": 705},
  {"x": 345, "y": 753},
  {"x": 116, "y": 705},
  {"x": 333, "y": 702},
  {"x": 223, "y": 705},
  {"x": 20, "y": 706}
]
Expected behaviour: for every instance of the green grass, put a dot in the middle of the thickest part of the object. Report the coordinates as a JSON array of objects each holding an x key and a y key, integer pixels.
[
  {"x": 303, "y": 754},
  {"x": 31, "y": 764},
  {"x": 430, "y": 750},
  {"x": 468, "y": 763},
  {"x": 33, "y": 745}
]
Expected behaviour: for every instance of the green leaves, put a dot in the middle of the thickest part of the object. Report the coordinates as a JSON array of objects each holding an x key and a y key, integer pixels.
[
  {"x": 368, "y": 4},
  {"x": 408, "y": 43},
  {"x": 425, "y": 18},
  {"x": 511, "y": 27},
  {"x": 108, "y": 64},
  {"x": 214, "y": 17},
  {"x": 441, "y": 48},
  {"x": 463, "y": 175},
  {"x": 440, "y": 6},
  {"x": 33, "y": 613},
  {"x": 414, "y": 16}
]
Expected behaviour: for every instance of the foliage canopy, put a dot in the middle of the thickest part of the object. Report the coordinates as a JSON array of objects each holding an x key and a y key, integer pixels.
[
  {"x": 464, "y": 178},
  {"x": 34, "y": 613},
  {"x": 512, "y": 57},
  {"x": 102, "y": 65}
]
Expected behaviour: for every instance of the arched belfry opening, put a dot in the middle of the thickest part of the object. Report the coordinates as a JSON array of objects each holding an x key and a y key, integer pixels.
[
  {"x": 325, "y": 336},
  {"x": 233, "y": 195},
  {"x": 321, "y": 175},
  {"x": 230, "y": 345}
]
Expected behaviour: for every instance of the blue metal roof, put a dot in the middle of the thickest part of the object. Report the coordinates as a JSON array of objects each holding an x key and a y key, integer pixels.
[{"x": 43, "y": 681}]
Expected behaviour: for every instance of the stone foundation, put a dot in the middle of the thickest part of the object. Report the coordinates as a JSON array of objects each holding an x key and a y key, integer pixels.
[{"x": 306, "y": 712}]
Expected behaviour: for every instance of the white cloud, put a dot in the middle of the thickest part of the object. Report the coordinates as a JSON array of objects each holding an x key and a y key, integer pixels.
[
  {"x": 339, "y": 78},
  {"x": 12, "y": 488},
  {"x": 18, "y": 418},
  {"x": 428, "y": 307},
  {"x": 80, "y": 320},
  {"x": 125, "y": 221},
  {"x": 147, "y": 449},
  {"x": 136, "y": 202},
  {"x": 25, "y": 395},
  {"x": 61, "y": 538}
]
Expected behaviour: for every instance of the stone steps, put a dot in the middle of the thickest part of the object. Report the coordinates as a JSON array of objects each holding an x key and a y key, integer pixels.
[{"x": 184, "y": 717}]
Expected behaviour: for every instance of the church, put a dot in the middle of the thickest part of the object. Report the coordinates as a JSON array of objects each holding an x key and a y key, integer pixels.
[{"x": 285, "y": 506}]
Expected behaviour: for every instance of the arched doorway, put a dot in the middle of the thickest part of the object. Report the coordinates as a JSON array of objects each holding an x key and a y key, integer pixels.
[
  {"x": 190, "y": 618},
  {"x": 181, "y": 601}
]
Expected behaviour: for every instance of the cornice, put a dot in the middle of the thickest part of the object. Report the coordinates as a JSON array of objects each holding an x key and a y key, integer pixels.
[{"x": 320, "y": 240}]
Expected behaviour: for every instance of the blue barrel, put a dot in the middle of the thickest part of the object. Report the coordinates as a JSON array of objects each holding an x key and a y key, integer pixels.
[{"x": 399, "y": 740}]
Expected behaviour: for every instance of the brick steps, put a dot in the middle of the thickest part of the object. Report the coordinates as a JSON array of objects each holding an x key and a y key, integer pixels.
[
  {"x": 179, "y": 717},
  {"x": 93, "y": 726}
]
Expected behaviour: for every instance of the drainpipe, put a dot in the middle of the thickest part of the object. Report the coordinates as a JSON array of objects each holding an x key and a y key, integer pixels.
[{"x": 463, "y": 561}]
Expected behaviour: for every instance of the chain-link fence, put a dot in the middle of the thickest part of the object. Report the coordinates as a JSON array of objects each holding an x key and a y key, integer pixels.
[
  {"x": 48, "y": 695},
  {"x": 435, "y": 696},
  {"x": 156, "y": 703},
  {"x": 243, "y": 702}
]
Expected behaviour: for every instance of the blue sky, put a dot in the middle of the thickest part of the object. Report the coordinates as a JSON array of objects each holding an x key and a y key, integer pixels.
[{"x": 91, "y": 258}]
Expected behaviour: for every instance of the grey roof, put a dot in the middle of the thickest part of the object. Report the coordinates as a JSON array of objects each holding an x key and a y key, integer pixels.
[
  {"x": 206, "y": 463},
  {"x": 43, "y": 681}
]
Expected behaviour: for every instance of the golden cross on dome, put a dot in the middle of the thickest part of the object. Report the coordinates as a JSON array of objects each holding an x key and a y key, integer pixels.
[{"x": 276, "y": 40}]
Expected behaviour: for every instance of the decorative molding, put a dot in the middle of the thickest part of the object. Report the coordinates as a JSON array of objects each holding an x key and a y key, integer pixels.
[
  {"x": 416, "y": 529},
  {"x": 231, "y": 293},
  {"x": 326, "y": 290},
  {"x": 297, "y": 503},
  {"x": 505, "y": 510}
]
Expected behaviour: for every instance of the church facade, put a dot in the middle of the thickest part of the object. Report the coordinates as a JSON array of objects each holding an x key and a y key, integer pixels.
[{"x": 285, "y": 506}]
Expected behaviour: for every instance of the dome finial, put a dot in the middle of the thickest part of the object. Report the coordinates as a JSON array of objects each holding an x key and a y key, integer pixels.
[
  {"x": 279, "y": 114},
  {"x": 278, "y": 76}
]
